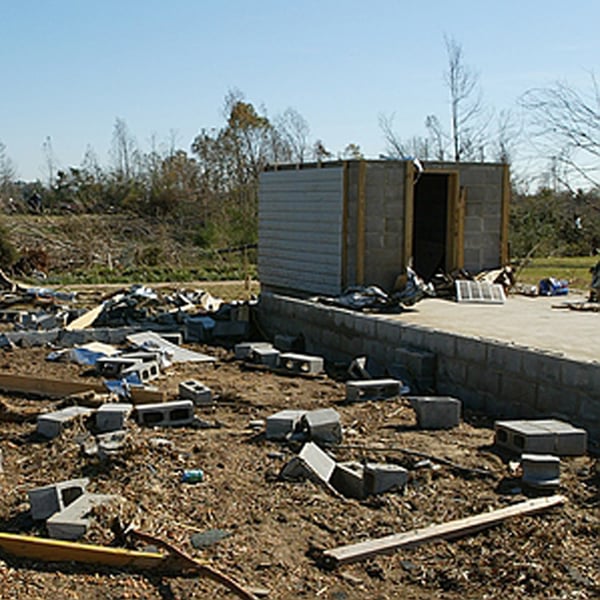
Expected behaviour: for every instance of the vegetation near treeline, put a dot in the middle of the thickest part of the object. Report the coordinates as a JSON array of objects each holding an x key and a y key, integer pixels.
[{"x": 170, "y": 213}]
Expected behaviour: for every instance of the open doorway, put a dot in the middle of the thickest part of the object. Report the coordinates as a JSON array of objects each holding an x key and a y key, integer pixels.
[{"x": 430, "y": 223}]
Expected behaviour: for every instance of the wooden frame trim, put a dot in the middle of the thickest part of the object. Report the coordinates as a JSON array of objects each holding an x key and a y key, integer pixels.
[
  {"x": 345, "y": 180},
  {"x": 409, "y": 211},
  {"x": 361, "y": 223},
  {"x": 504, "y": 224}
]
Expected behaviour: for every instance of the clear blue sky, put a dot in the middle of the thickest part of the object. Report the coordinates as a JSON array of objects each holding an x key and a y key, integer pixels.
[{"x": 71, "y": 67}]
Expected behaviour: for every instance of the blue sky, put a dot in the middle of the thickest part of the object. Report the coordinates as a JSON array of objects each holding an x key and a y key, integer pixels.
[{"x": 70, "y": 68}]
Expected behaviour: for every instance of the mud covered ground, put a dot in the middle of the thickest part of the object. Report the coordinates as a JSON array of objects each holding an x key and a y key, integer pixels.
[{"x": 274, "y": 526}]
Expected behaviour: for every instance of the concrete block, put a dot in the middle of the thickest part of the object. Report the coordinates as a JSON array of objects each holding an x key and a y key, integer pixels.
[
  {"x": 112, "y": 367},
  {"x": 382, "y": 477},
  {"x": 112, "y": 416},
  {"x": 347, "y": 478},
  {"x": 264, "y": 356},
  {"x": 195, "y": 391},
  {"x": 372, "y": 389},
  {"x": 243, "y": 350},
  {"x": 540, "y": 471},
  {"x": 166, "y": 414},
  {"x": 436, "y": 412},
  {"x": 73, "y": 522},
  {"x": 301, "y": 363},
  {"x": 51, "y": 424},
  {"x": 323, "y": 425},
  {"x": 541, "y": 436},
  {"x": 50, "y": 499},
  {"x": 283, "y": 423},
  {"x": 144, "y": 371},
  {"x": 311, "y": 461}
]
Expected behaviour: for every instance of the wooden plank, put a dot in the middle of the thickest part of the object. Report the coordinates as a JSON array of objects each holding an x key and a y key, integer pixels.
[
  {"x": 360, "y": 223},
  {"x": 56, "y": 388},
  {"x": 86, "y": 319},
  {"x": 453, "y": 529},
  {"x": 506, "y": 192},
  {"x": 409, "y": 211},
  {"x": 345, "y": 183},
  {"x": 42, "y": 549}
]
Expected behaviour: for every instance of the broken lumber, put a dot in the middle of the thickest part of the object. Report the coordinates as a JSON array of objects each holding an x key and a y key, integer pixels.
[
  {"x": 56, "y": 388},
  {"x": 354, "y": 552}
]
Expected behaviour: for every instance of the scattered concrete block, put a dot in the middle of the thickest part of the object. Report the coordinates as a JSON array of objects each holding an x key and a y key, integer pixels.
[
  {"x": 166, "y": 414},
  {"x": 51, "y": 424},
  {"x": 113, "y": 366},
  {"x": 382, "y": 477},
  {"x": 347, "y": 478},
  {"x": 436, "y": 412},
  {"x": 541, "y": 436},
  {"x": 265, "y": 356},
  {"x": 112, "y": 416},
  {"x": 143, "y": 371},
  {"x": 50, "y": 499},
  {"x": 283, "y": 423},
  {"x": 195, "y": 391},
  {"x": 300, "y": 363},
  {"x": 358, "y": 369},
  {"x": 243, "y": 350},
  {"x": 372, "y": 389},
  {"x": 323, "y": 425},
  {"x": 541, "y": 471},
  {"x": 311, "y": 462},
  {"x": 73, "y": 522}
]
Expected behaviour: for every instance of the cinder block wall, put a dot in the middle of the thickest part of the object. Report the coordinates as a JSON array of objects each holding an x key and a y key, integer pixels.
[{"x": 502, "y": 380}]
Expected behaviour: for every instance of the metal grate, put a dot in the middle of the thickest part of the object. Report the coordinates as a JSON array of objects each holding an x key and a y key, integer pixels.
[{"x": 480, "y": 291}]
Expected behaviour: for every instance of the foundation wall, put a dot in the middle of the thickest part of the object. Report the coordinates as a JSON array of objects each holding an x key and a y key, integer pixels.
[{"x": 503, "y": 380}]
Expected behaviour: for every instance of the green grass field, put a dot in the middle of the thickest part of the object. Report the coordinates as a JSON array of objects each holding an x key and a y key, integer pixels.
[{"x": 575, "y": 269}]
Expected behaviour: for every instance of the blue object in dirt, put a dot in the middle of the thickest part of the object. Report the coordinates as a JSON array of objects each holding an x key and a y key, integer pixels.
[
  {"x": 192, "y": 476},
  {"x": 553, "y": 287}
]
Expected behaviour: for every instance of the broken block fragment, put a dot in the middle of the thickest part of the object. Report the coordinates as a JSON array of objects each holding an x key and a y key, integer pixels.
[
  {"x": 311, "y": 462},
  {"x": 195, "y": 391},
  {"x": 301, "y": 363},
  {"x": 372, "y": 389},
  {"x": 323, "y": 425},
  {"x": 51, "y": 424},
  {"x": 382, "y": 477},
  {"x": 49, "y": 499},
  {"x": 348, "y": 479},
  {"x": 166, "y": 414},
  {"x": 73, "y": 522},
  {"x": 436, "y": 412},
  {"x": 541, "y": 471},
  {"x": 283, "y": 423},
  {"x": 112, "y": 416}
]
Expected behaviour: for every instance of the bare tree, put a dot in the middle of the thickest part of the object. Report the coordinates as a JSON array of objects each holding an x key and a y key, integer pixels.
[
  {"x": 294, "y": 131},
  {"x": 7, "y": 169},
  {"x": 396, "y": 147},
  {"x": 566, "y": 124},
  {"x": 467, "y": 120},
  {"x": 123, "y": 149}
]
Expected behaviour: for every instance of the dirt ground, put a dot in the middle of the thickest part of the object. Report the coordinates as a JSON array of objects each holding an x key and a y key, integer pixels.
[{"x": 273, "y": 525}]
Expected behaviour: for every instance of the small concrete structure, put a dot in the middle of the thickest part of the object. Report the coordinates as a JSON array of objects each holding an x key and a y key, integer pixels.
[
  {"x": 348, "y": 479},
  {"x": 73, "y": 522},
  {"x": 112, "y": 416},
  {"x": 264, "y": 356},
  {"x": 541, "y": 471},
  {"x": 300, "y": 363},
  {"x": 50, "y": 499},
  {"x": 544, "y": 436},
  {"x": 51, "y": 424},
  {"x": 166, "y": 414},
  {"x": 195, "y": 391},
  {"x": 382, "y": 477},
  {"x": 283, "y": 424},
  {"x": 436, "y": 412},
  {"x": 243, "y": 350},
  {"x": 323, "y": 425},
  {"x": 372, "y": 389}
]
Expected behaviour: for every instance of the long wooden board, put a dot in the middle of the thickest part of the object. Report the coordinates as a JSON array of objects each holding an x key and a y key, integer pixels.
[
  {"x": 355, "y": 552},
  {"x": 56, "y": 388}
]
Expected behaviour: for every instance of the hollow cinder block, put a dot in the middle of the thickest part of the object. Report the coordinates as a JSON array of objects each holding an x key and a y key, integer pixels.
[
  {"x": 73, "y": 522},
  {"x": 540, "y": 471},
  {"x": 372, "y": 389},
  {"x": 283, "y": 423},
  {"x": 382, "y": 477},
  {"x": 51, "y": 424},
  {"x": 112, "y": 416},
  {"x": 300, "y": 363},
  {"x": 195, "y": 391},
  {"x": 49, "y": 499},
  {"x": 436, "y": 412},
  {"x": 166, "y": 414}
]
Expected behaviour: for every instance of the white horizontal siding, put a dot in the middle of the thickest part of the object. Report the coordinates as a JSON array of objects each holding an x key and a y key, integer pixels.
[{"x": 300, "y": 230}]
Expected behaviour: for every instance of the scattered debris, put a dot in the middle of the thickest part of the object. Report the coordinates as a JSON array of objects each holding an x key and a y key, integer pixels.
[
  {"x": 374, "y": 389},
  {"x": 540, "y": 471},
  {"x": 553, "y": 287},
  {"x": 436, "y": 412},
  {"x": 479, "y": 292}
]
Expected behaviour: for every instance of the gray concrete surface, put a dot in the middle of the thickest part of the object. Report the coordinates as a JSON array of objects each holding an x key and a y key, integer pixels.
[{"x": 521, "y": 320}]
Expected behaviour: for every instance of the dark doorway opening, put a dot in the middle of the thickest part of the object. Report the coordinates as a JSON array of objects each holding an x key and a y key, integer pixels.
[{"x": 430, "y": 224}]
